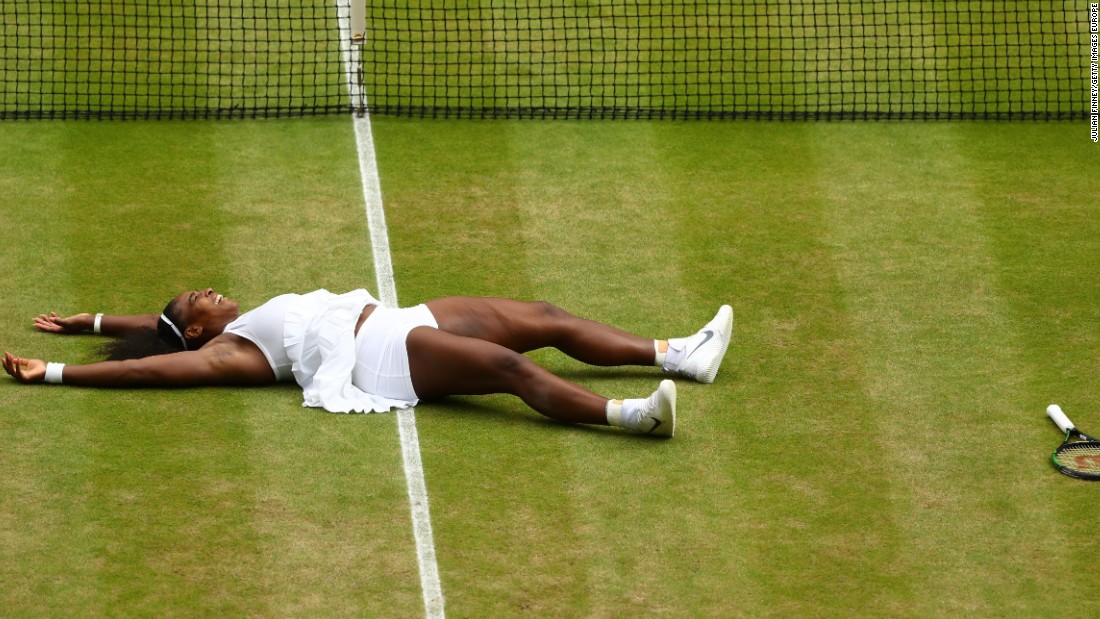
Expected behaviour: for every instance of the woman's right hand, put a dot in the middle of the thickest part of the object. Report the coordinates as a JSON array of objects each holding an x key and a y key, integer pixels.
[
  {"x": 52, "y": 323},
  {"x": 24, "y": 370}
]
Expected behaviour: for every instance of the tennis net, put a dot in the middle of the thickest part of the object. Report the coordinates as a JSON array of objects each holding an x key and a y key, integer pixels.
[{"x": 804, "y": 59}]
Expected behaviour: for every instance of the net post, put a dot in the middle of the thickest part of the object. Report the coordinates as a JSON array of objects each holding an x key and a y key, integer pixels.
[
  {"x": 358, "y": 21},
  {"x": 358, "y": 28}
]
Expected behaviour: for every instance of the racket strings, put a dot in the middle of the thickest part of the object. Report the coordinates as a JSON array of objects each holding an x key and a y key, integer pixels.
[{"x": 1082, "y": 457}]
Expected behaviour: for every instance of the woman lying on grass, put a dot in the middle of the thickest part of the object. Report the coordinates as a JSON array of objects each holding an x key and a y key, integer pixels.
[{"x": 349, "y": 353}]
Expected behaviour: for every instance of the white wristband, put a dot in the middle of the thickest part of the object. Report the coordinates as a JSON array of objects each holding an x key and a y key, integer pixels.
[
  {"x": 98, "y": 323},
  {"x": 53, "y": 373}
]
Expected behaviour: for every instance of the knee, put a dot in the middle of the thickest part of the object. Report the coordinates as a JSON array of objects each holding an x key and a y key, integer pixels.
[
  {"x": 550, "y": 312},
  {"x": 556, "y": 325},
  {"x": 512, "y": 366}
]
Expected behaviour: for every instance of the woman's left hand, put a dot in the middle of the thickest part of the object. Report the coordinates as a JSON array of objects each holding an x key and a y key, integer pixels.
[{"x": 24, "y": 370}]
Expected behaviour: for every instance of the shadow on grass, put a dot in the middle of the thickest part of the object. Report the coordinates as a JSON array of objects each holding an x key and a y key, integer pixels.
[{"x": 474, "y": 408}]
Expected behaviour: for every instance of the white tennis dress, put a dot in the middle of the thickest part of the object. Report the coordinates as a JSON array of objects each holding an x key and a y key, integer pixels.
[{"x": 311, "y": 339}]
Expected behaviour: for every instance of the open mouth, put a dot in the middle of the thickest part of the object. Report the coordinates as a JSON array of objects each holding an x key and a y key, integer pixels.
[{"x": 218, "y": 299}]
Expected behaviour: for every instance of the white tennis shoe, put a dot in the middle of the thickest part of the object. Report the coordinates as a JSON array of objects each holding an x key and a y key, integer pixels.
[
  {"x": 703, "y": 352},
  {"x": 658, "y": 414}
]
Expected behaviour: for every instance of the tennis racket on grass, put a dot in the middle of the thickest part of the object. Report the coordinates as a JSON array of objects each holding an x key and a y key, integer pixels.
[{"x": 1077, "y": 458}]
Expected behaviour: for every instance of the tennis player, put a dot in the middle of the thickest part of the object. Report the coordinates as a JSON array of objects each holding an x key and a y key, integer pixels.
[{"x": 349, "y": 353}]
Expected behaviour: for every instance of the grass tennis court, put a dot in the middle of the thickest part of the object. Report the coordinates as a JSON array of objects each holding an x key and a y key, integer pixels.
[{"x": 909, "y": 297}]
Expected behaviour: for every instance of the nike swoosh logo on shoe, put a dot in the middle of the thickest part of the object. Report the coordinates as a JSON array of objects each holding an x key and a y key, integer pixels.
[{"x": 709, "y": 334}]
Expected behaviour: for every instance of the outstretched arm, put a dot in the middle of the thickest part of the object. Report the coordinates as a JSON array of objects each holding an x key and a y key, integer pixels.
[
  {"x": 117, "y": 325},
  {"x": 232, "y": 361}
]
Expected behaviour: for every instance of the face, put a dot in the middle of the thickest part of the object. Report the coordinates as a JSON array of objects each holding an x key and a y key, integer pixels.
[{"x": 207, "y": 310}]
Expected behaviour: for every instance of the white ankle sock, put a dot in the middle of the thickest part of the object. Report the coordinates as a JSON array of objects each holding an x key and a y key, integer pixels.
[
  {"x": 624, "y": 413},
  {"x": 675, "y": 354},
  {"x": 658, "y": 355},
  {"x": 614, "y": 410}
]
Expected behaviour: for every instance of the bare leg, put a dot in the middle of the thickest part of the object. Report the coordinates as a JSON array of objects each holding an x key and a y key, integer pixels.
[
  {"x": 523, "y": 326},
  {"x": 445, "y": 364}
]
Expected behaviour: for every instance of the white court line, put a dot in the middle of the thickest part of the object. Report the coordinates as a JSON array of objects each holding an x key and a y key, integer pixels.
[{"x": 387, "y": 293}]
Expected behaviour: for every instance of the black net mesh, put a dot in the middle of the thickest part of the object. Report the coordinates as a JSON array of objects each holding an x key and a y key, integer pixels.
[{"x": 809, "y": 59}]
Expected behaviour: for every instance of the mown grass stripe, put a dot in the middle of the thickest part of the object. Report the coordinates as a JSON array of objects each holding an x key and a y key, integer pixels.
[
  {"x": 165, "y": 493},
  {"x": 940, "y": 352},
  {"x": 387, "y": 293},
  {"x": 1038, "y": 193},
  {"x": 505, "y": 534},
  {"x": 329, "y": 493},
  {"x": 580, "y": 240},
  {"x": 47, "y": 559},
  {"x": 784, "y": 480}
]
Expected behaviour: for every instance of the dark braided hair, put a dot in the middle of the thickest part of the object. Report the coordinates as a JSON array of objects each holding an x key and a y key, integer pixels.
[{"x": 141, "y": 343}]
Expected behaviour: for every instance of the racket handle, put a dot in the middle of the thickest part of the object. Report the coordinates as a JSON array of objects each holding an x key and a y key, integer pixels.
[{"x": 1059, "y": 418}]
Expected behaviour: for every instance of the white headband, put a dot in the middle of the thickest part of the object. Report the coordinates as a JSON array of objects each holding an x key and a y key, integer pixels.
[{"x": 175, "y": 330}]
